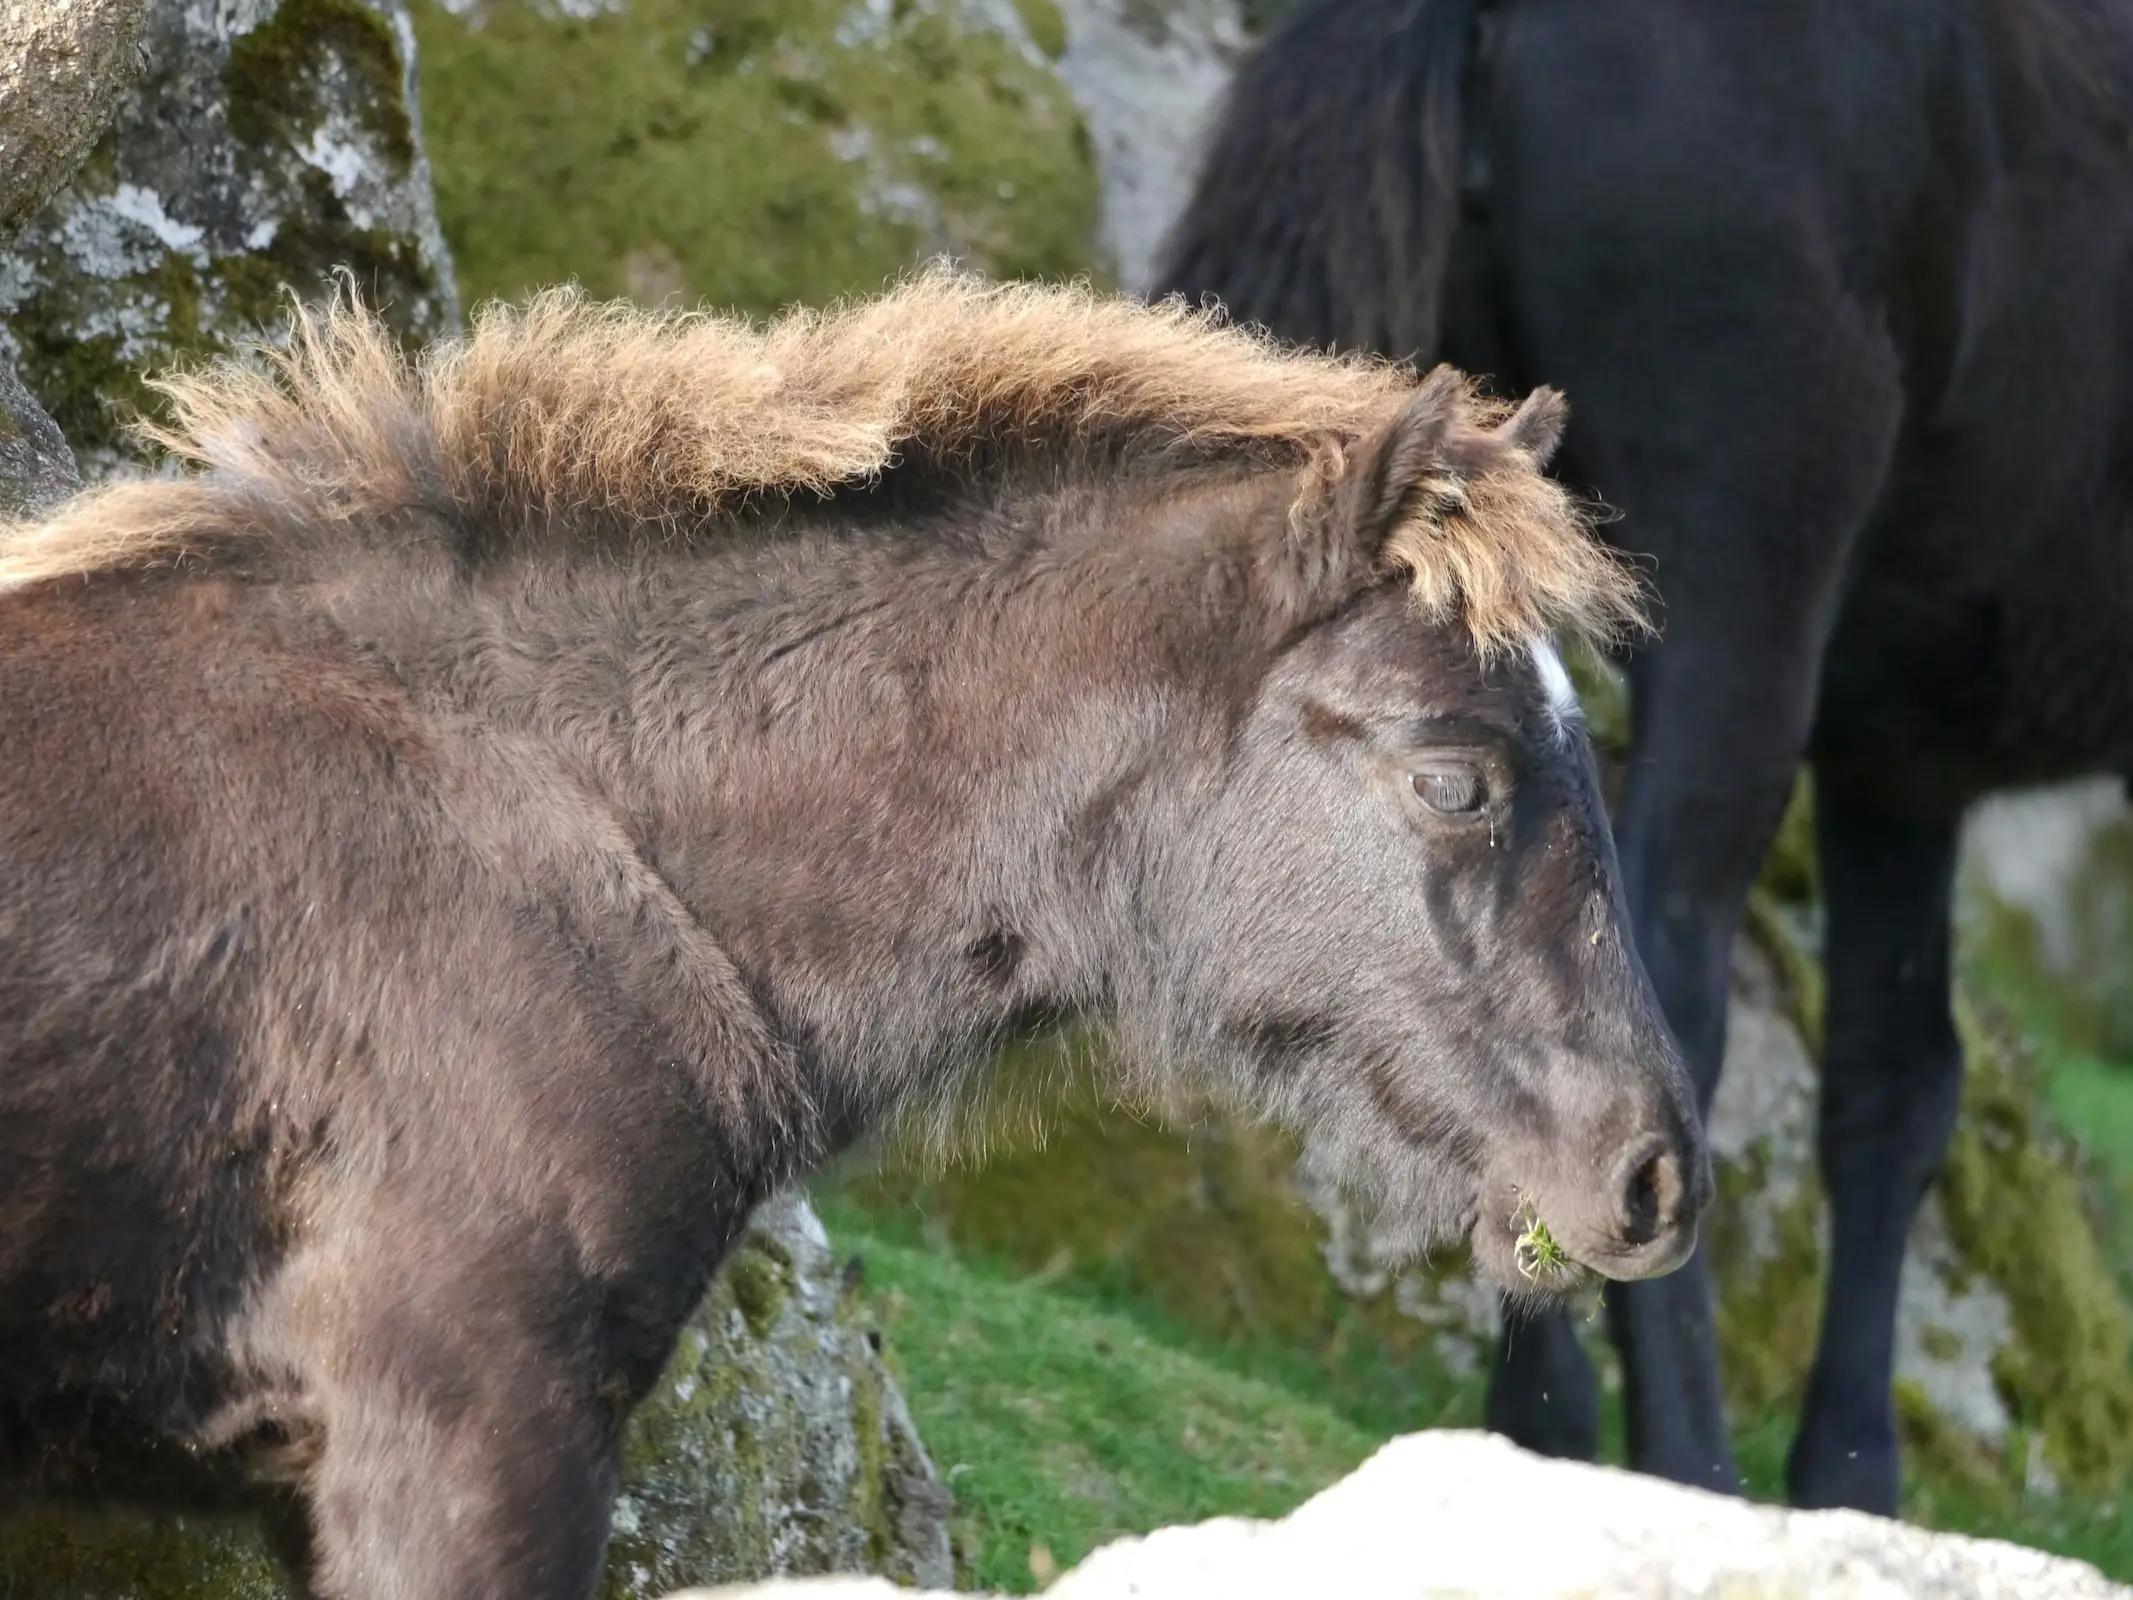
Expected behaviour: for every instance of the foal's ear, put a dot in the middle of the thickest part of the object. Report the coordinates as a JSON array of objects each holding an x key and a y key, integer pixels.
[
  {"x": 1367, "y": 489},
  {"x": 1416, "y": 468},
  {"x": 1400, "y": 469},
  {"x": 1536, "y": 427}
]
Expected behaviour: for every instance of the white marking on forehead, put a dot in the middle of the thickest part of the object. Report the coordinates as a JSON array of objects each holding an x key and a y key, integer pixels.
[{"x": 1554, "y": 678}]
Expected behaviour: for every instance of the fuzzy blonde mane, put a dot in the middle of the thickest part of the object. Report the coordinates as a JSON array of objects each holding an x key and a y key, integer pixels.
[{"x": 563, "y": 412}]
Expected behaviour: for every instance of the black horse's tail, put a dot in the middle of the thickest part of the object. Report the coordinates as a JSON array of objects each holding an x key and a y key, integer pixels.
[{"x": 1326, "y": 202}]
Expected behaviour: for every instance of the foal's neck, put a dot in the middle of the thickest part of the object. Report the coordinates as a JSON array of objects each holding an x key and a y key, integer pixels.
[{"x": 899, "y": 773}]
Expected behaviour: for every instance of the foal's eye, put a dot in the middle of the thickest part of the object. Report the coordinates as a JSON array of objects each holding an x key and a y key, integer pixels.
[{"x": 1454, "y": 791}]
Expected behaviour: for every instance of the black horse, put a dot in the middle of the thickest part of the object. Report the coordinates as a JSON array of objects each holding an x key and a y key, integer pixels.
[{"x": 1840, "y": 294}]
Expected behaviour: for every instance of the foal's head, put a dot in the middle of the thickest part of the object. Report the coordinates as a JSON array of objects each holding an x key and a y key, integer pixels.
[{"x": 1396, "y": 921}]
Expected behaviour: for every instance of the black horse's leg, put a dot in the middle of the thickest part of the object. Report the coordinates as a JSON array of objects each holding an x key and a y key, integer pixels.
[
  {"x": 1720, "y": 725},
  {"x": 1723, "y": 706},
  {"x": 1891, "y": 1082},
  {"x": 1739, "y": 395},
  {"x": 1720, "y": 732},
  {"x": 1543, "y": 1395}
]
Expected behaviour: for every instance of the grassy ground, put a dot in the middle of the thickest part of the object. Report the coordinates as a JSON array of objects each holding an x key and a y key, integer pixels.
[
  {"x": 2094, "y": 1097},
  {"x": 1069, "y": 1410},
  {"x": 1062, "y": 1425}
]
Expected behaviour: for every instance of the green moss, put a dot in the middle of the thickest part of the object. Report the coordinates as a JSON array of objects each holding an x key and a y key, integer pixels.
[
  {"x": 1768, "y": 1313},
  {"x": 1789, "y": 873},
  {"x": 1775, "y": 927},
  {"x": 2102, "y": 914},
  {"x": 873, "y": 1509},
  {"x": 1046, "y": 24},
  {"x": 1943, "y": 1455},
  {"x": 52, "y": 1554},
  {"x": 2015, "y": 1210},
  {"x": 319, "y": 239},
  {"x": 761, "y": 1284},
  {"x": 277, "y": 97},
  {"x": 748, "y": 153},
  {"x": 92, "y": 385},
  {"x": 311, "y": 60},
  {"x": 747, "y": 1422}
]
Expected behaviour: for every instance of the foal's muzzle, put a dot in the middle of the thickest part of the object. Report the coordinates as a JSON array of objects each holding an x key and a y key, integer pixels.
[
  {"x": 1659, "y": 1191},
  {"x": 1622, "y": 1198}
]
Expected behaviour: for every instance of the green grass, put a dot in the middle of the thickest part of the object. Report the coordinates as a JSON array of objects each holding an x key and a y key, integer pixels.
[
  {"x": 2093, "y": 1099},
  {"x": 1062, "y": 1426}
]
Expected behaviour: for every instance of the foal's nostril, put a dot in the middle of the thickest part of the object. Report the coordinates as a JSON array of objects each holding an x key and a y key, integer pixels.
[{"x": 1651, "y": 1193}]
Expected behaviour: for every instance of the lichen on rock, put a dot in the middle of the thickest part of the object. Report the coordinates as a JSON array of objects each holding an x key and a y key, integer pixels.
[
  {"x": 60, "y": 68},
  {"x": 36, "y": 468},
  {"x": 752, "y": 153},
  {"x": 268, "y": 144}
]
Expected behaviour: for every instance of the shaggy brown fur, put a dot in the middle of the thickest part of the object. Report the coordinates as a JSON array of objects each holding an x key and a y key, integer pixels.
[{"x": 565, "y": 412}]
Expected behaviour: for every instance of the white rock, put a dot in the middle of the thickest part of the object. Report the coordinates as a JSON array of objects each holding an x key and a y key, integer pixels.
[{"x": 1462, "y": 1515}]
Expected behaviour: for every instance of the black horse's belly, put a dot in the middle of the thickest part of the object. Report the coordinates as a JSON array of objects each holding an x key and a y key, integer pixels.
[{"x": 1932, "y": 700}]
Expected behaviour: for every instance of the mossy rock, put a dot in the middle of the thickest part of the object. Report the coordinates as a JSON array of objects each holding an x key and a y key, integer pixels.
[
  {"x": 2018, "y": 1217},
  {"x": 776, "y": 1443},
  {"x": 54, "y": 1555},
  {"x": 264, "y": 148},
  {"x": 36, "y": 468},
  {"x": 751, "y": 153}
]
